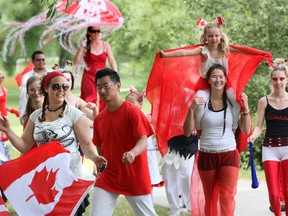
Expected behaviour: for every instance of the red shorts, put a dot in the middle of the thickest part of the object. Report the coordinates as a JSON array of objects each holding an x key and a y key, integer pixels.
[{"x": 213, "y": 161}]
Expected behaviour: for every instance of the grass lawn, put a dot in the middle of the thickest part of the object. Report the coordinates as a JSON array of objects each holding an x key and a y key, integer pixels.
[{"x": 122, "y": 208}]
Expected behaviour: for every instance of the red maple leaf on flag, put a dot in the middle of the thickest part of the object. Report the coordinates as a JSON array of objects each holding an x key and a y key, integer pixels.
[
  {"x": 42, "y": 185},
  {"x": 202, "y": 23}
]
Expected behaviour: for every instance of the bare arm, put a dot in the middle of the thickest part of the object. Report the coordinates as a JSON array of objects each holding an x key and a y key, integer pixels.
[
  {"x": 260, "y": 120},
  {"x": 80, "y": 53},
  {"x": 139, "y": 148},
  {"x": 190, "y": 123},
  {"x": 81, "y": 128},
  {"x": 181, "y": 52},
  {"x": 23, "y": 143},
  {"x": 245, "y": 123},
  {"x": 99, "y": 149},
  {"x": 90, "y": 109},
  {"x": 111, "y": 59}
]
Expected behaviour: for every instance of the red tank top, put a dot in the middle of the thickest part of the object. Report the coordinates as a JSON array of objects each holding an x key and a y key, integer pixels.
[{"x": 3, "y": 100}]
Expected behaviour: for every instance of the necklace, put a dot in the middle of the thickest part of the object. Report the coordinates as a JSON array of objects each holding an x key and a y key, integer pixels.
[{"x": 54, "y": 110}]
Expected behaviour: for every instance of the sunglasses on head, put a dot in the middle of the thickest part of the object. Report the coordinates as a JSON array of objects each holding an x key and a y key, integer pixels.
[
  {"x": 38, "y": 60},
  {"x": 94, "y": 31},
  {"x": 58, "y": 86}
]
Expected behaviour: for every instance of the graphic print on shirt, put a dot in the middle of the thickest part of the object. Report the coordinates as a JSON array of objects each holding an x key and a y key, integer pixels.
[{"x": 61, "y": 134}]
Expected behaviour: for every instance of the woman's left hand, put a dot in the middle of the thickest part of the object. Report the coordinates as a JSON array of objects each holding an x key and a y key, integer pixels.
[
  {"x": 4, "y": 124},
  {"x": 244, "y": 99}
]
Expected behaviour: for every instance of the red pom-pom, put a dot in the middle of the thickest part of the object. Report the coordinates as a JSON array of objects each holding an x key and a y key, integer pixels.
[
  {"x": 16, "y": 112},
  {"x": 4, "y": 137}
]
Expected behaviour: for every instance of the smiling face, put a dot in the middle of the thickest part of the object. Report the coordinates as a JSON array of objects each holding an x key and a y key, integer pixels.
[
  {"x": 213, "y": 36},
  {"x": 57, "y": 90},
  {"x": 34, "y": 91},
  {"x": 217, "y": 79}
]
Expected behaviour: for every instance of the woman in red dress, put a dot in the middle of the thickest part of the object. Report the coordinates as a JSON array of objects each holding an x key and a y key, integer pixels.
[{"x": 94, "y": 51}]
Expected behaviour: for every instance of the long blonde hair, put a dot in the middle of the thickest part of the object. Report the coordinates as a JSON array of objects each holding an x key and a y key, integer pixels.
[{"x": 224, "y": 43}]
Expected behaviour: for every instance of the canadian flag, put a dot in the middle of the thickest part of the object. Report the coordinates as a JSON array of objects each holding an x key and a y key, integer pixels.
[
  {"x": 41, "y": 183},
  {"x": 3, "y": 208},
  {"x": 201, "y": 23}
]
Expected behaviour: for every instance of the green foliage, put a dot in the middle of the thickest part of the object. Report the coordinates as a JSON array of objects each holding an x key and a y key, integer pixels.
[{"x": 151, "y": 25}]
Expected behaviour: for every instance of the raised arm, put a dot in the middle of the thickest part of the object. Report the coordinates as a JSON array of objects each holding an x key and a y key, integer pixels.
[
  {"x": 190, "y": 123},
  {"x": 23, "y": 143},
  {"x": 80, "y": 53},
  {"x": 90, "y": 109},
  {"x": 245, "y": 122},
  {"x": 180, "y": 53},
  {"x": 260, "y": 120}
]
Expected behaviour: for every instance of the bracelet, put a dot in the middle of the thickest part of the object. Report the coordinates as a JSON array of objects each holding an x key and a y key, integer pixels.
[
  {"x": 245, "y": 113},
  {"x": 84, "y": 47}
]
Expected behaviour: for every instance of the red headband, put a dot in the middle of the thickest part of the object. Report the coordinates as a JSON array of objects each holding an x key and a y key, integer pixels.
[
  {"x": 49, "y": 77},
  {"x": 133, "y": 90}
]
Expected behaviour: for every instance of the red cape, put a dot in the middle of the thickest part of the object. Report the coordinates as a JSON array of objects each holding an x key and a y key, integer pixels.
[{"x": 172, "y": 85}]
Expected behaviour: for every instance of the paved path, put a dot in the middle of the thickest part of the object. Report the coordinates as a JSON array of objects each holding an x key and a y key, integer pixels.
[{"x": 249, "y": 202}]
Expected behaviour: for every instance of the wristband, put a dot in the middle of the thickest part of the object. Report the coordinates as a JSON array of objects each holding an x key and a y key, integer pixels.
[{"x": 245, "y": 113}]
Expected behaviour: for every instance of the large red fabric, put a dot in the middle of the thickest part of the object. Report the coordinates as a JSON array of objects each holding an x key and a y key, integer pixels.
[
  {"x": 173, "y": 82},
  {"x": 19, "y": 76},
  {"x": 116, "y": 133}
]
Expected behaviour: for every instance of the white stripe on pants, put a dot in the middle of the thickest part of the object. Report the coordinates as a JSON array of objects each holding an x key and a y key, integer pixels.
[{"x": 103, "y": 203}]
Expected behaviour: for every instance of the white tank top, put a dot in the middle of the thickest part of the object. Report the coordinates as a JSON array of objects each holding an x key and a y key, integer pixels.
[
  {"x": 211, "y": 61},
  {"x": 212, "y": 136}
]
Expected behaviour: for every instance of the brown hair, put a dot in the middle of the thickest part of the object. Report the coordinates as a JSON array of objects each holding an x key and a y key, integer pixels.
[{"x": 29, "y": 108}]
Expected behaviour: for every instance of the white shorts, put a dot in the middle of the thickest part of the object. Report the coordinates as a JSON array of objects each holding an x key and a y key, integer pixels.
[{"x": 274, "y": 153}]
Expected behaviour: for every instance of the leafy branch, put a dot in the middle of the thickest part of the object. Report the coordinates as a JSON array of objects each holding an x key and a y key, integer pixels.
[{"x": 52, "y": 6}]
